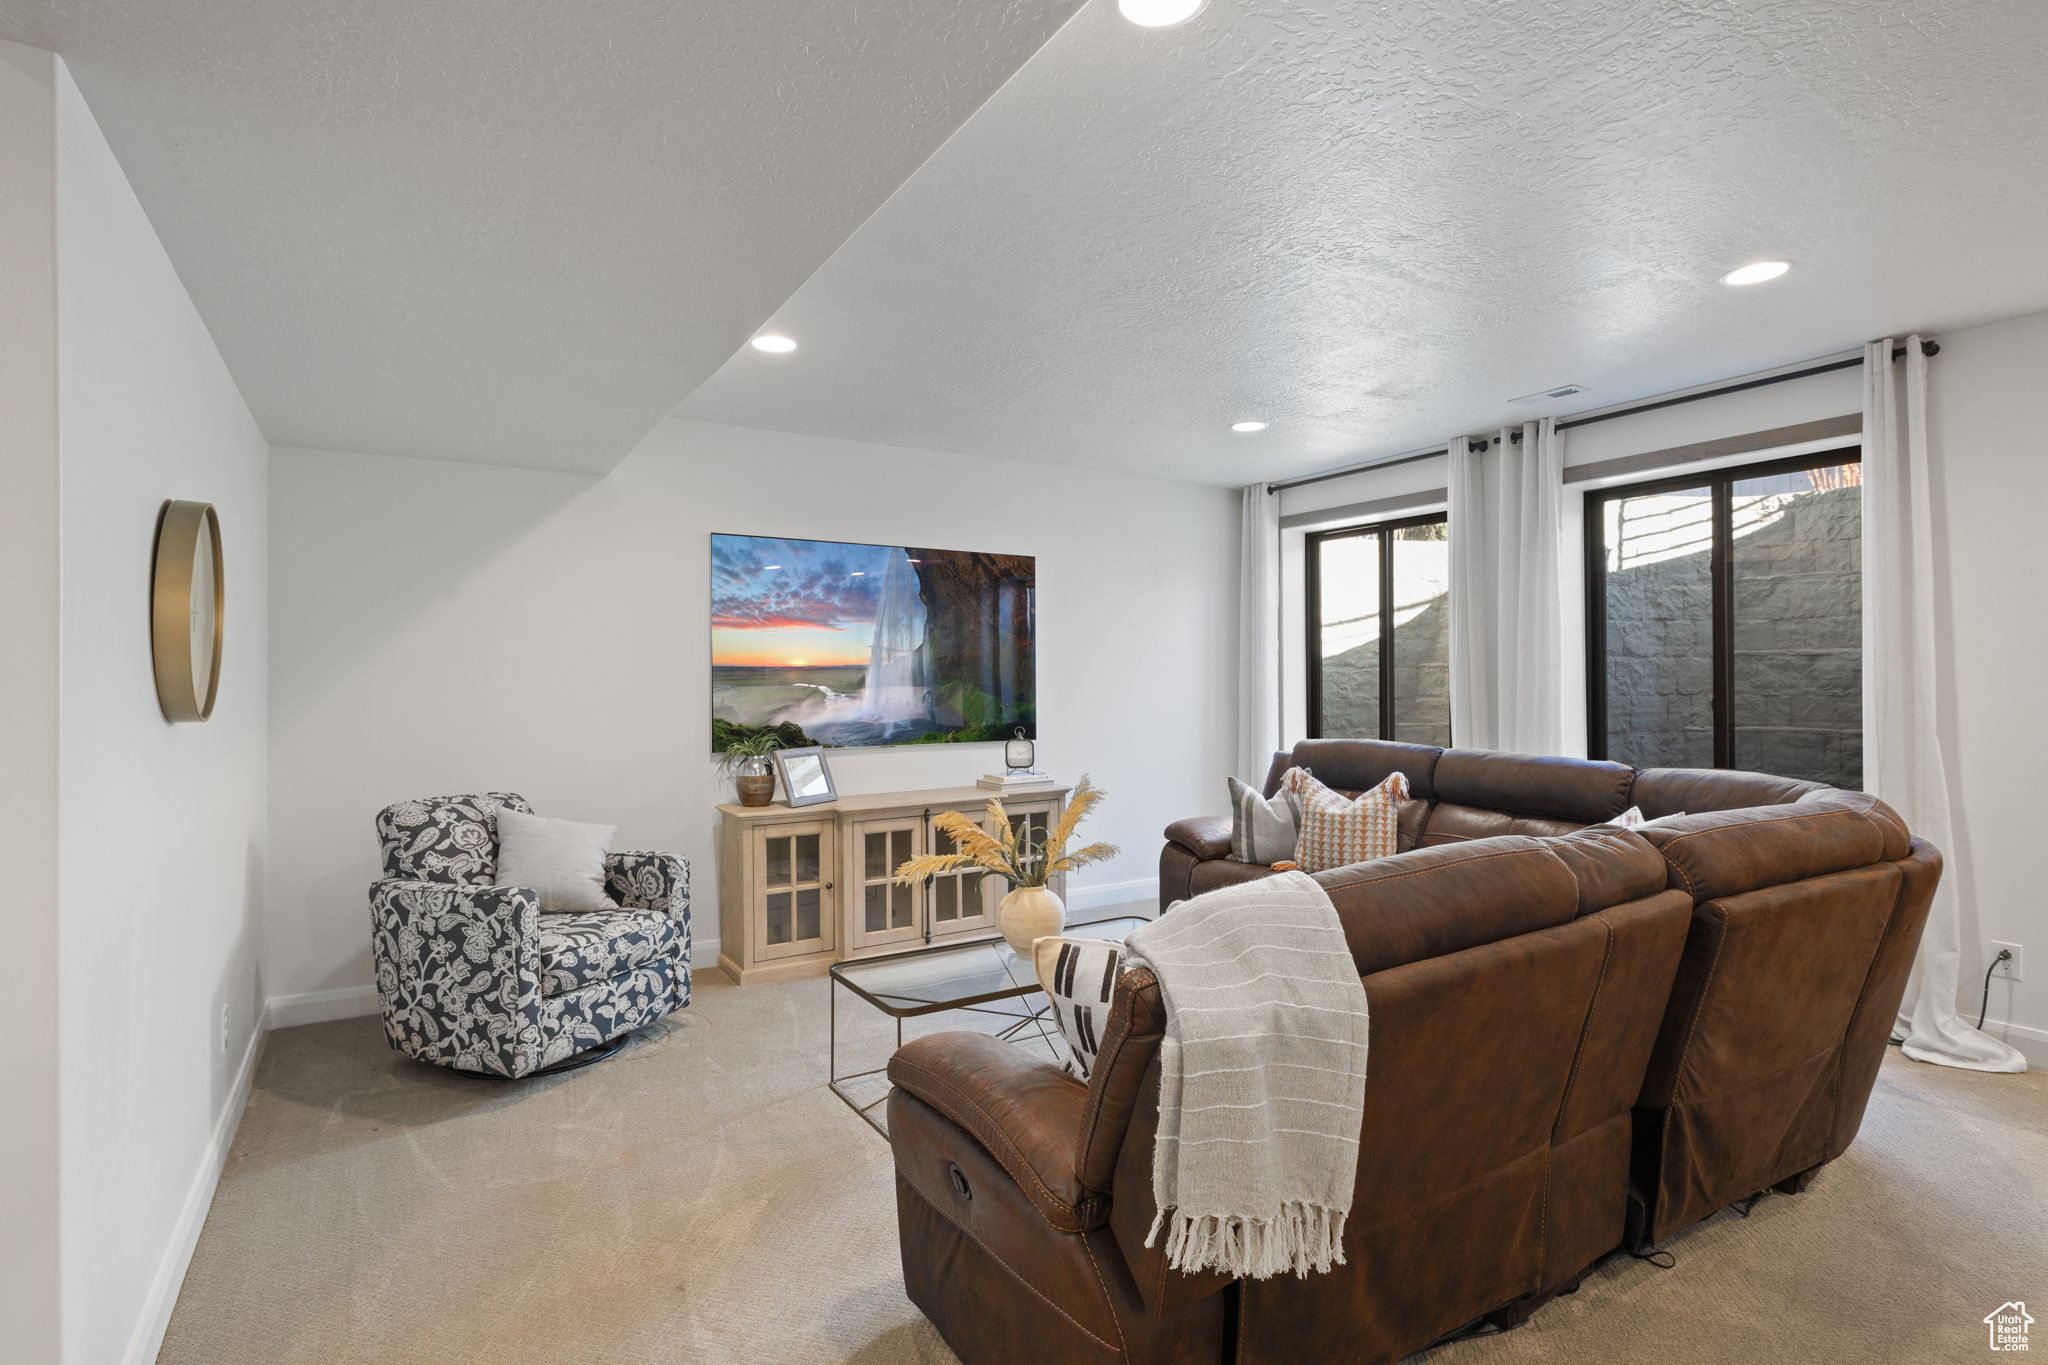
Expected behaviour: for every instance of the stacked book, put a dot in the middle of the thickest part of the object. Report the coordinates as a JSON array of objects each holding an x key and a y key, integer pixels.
[{"x": 1014, "y": 781}]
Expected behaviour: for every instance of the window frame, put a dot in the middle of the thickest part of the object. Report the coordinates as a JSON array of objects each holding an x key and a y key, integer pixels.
[
  {"x": 1312, "y": 587},
  {"x": 1720, "y": 483}
]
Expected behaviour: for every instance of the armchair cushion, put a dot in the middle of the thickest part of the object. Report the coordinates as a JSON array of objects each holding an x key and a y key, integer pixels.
[
  {"x": 1024, "y": 1112},
  {"x": 445, "y": 838},
  {"x": 583, "y": 947}
]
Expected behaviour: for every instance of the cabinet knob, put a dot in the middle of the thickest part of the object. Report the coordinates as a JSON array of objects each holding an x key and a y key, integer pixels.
[{"x": 828, "y": 886}]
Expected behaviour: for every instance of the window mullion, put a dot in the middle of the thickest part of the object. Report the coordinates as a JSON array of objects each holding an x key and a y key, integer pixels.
[
  {"x": 1387, "y": 634},
  {"x": 1722, "y": 570}
]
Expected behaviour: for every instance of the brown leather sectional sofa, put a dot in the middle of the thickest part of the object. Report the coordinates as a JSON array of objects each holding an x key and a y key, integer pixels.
[{"x": 1583, "y": 1038}]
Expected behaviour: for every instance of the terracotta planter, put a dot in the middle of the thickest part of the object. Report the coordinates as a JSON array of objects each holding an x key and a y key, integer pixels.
[
  {"x": 1027, "y": 913},
  {"x": 756, "y": 791}
]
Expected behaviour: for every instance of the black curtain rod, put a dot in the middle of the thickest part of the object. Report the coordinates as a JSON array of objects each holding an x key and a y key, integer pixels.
[{"x": 1927, "y": 348}]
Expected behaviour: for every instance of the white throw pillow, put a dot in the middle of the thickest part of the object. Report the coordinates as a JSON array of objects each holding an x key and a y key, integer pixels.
[
  {"x": 560, "y": 859},
  {"x": 1633, "y": 818},
  {"x": 1079, "y": 977}
]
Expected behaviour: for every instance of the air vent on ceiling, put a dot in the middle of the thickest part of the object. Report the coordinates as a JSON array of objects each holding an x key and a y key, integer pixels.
[{"x": 1561, "y": 391}]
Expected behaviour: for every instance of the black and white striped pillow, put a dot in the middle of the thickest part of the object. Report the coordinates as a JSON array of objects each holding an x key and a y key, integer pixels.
[{"x": 1079, "y": 976}]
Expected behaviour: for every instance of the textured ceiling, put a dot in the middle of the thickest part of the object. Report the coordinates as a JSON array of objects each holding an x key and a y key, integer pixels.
[
  {"x": 512, "y": 230},
  {"x": 1372, "y": 224}
]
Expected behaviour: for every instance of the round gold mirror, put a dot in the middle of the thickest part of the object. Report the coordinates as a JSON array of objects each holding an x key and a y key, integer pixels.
[{"x": 186, "y": 595}]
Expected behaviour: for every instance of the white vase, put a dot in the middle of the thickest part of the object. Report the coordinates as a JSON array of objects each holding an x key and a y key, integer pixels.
[{"x": 1027, "y": 913}]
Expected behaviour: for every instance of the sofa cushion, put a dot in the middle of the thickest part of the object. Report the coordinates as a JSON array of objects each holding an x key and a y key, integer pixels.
[
  {"x": 1352, "y": 766},
  {"x": 445, "y": 838},
  {"x": 1727, "y": 853},
  {"x": 1612, "y": 865},
  {"x": 1575, "y": 791},
  {"x": 1672, "y": 791},
  {"x": 584, "y": 947},
  {"x": 1436, "y": 901},
  {"x": 1448, "y": 823}
]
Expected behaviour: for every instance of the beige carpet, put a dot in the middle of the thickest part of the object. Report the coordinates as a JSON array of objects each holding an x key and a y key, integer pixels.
[{"x": 703, "y": 1198}]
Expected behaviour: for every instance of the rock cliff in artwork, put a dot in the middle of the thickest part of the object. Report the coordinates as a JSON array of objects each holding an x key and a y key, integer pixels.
[{"x": 979, "y": 631}]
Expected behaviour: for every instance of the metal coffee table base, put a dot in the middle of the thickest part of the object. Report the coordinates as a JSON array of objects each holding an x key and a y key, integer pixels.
[{"x": 1019, "y": 1023}]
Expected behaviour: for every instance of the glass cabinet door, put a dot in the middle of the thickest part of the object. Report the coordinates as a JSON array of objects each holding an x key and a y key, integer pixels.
[
  {"x": 796, "y": 885},
  {"x": 957, "y": 900},
  {"x": 884, "y": 910}
]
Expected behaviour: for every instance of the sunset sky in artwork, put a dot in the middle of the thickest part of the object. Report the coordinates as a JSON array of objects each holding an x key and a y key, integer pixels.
[{"x": 793, "y": 603}]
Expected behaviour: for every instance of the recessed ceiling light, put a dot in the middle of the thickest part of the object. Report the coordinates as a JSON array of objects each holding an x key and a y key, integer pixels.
[
  {"x": 1756, "y": 272},
  {"x": 1247, "y": 426},
  {"x": 774, "y": 343},
  {"x": 1159, "y": 13}
]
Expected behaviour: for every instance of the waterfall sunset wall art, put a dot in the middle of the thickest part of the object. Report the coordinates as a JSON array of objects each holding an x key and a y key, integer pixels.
[{"x": 833, "y": 643}]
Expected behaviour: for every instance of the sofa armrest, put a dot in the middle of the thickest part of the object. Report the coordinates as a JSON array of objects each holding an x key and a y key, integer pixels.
[
  {"x": 459, "y": 972},
  {"x": 649, "y": 881},
  {"x": 1026, "y": 1113},
  {"x": 469, "y": 917},
  {"x": 1205, "y": 836}
]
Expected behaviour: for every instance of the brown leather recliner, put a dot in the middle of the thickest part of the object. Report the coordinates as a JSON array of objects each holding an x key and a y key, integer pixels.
[
  {"x": 1808, "y": 904},
  {"x": 1515, "y": 987}
]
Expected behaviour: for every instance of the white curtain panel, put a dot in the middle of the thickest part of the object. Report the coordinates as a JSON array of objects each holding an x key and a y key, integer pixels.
[
  {"x": 1258, "y": 653},
  {"x": 1506, "y": 509},
  {"x": 1902, "y": 760}
]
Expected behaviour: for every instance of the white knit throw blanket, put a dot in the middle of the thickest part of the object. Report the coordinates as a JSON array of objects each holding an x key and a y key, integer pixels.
[{"x": 1261, "y": 1078}]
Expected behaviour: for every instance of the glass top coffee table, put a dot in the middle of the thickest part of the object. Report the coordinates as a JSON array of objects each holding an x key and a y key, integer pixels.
[{"x": 987, "y": 977}]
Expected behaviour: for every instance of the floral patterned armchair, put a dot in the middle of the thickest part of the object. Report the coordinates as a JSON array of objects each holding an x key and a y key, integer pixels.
[{"x": 474, "y": 976}]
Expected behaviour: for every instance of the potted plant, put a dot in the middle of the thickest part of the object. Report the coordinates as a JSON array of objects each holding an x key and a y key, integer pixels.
[
  {"x": 1030, "y": 910},
  {"x": 746, "y": 760}
]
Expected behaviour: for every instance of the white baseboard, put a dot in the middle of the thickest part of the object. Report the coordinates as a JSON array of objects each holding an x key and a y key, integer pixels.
[
  {"x": 353, "y": 1002},
  {"x": 2032, "y": 1042},
  {"x": 1113, "y": 893},
  {"x": 155, "y": 1318},
  {"x": 319, "y": 1007}
]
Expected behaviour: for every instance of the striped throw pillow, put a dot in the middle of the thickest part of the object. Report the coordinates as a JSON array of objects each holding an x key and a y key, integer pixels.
[
  {"x": 1079, "y": 976},
  {"x": 1263, "y": 831},
  {"x": 1337, "y": 831}
]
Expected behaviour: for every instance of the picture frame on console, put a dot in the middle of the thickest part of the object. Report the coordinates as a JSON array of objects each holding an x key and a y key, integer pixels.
[{"x": 806, "y": 777}]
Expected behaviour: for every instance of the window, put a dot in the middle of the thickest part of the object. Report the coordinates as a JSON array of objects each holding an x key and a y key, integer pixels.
[
  {"x": 1359, "y": 579},
  {"x": 1725, "y": 620}
]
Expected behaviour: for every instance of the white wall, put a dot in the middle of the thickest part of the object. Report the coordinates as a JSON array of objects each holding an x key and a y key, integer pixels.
[
  {"x": 160, "y": 839},
  {"x": 449, "y": 628},
  {"x": 29, "y": 1208},
  {"x": 1990, "y": 486}
]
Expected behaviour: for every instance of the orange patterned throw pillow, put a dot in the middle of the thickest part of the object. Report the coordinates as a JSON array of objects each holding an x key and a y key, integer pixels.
[{"x": 1337, "y": 831}]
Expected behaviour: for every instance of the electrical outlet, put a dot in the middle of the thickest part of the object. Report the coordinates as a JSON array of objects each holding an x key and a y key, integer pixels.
[
  {"x": 2013, "y": 970},
  {"x": 223, "y": 1027}
]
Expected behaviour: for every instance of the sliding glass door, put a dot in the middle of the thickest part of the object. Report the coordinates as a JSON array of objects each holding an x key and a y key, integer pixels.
[
  {"x": 1724, "y": 620},
  {"x": 1379, "y": 632}
]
